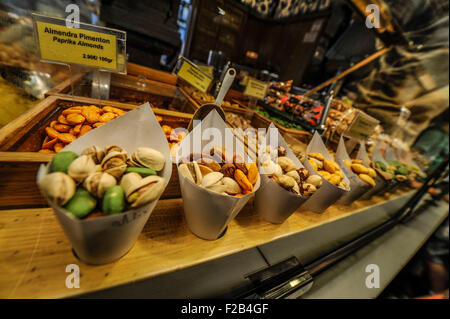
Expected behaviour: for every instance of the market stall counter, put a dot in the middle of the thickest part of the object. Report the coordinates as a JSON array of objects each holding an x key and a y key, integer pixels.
[{"x": 35, "y": 265}]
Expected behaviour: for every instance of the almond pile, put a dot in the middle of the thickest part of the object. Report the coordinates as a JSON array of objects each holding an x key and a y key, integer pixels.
[{"x": 75, "y": 122}]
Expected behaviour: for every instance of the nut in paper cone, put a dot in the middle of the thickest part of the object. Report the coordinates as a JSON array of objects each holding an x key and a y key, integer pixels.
[
  {"x": 103, "y": 240},
  {"x": 272, "y": 202},
  {"x": 328, "y": 193},
  {"x": 207, "y": 213},
  {"x": 357, "y": 186}
]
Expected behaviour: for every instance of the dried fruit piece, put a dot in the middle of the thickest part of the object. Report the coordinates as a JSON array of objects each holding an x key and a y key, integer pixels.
[
  {"x": 72, "y": 110},
  {"x": 58, "y": 147},
  {"x": 49, "y": 144},
  {"x": 62, "y": 128},
  {"x": 62, "y": 120},
  {"x": 51, "y": 132},
  {"x": 98, "y": 124},
  {"x": 366, "y": 178},
  {"x": 107, "y": 117},
  {"x": 317, "y": 156},
  {"x": 90, "y": 115},
  {"x": 66, "y": 137},
  {"x": 243, "y": 181},
  {"x": 75, "y": 118},
  {"x": 84, "y": 129},
  {"x": 252, "y": 173}
]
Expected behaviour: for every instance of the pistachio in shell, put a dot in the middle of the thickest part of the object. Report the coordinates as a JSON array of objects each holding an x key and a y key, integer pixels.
[
  {"x": 95, "y": 152},
  {"x": 148, "y": 157},
  {"x": 58, "y": 187},
  {"x": 114, "y": 163},
  {"x": 145, "y": 191},
  {"x": 143, "y": 171},
  {"x": 98, "y": 183},
  {"x": 81, "y": 168}
]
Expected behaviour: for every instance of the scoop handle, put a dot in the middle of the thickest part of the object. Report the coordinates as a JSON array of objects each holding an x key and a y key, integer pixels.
[{"x": 226, "y": 84}]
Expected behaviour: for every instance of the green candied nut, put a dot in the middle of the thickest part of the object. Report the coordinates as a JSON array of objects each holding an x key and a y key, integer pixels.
[
  {"x": 113, "y": 201},
  {"x": 61, "y": 161},
  {"x": 382, "y": 165},
  {"x": 81, "y": 204},
  {"x": 143, "y": 171}
]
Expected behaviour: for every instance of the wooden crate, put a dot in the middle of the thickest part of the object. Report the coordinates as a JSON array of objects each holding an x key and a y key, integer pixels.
[
  {"x": 22, "y": 138},
  {"x": 232, "y": 97},
  {"x": 152, "y": 74},
  {"x": 129, "y": 89}
]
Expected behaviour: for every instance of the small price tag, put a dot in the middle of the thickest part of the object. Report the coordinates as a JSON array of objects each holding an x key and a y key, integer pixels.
[
  {"x": 256, "y": 89},
  {"x": 88, "y": 45},
  {"x": 362, "y": 126},
  {"x": 194, "y": 76}
]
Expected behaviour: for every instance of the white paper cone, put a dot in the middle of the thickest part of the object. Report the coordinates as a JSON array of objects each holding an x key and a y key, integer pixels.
[
  {"x": 378, "y": 157},
  {"x": 357, "y": 186},
  {"x": 380, "y": 183},
  {"x": 272, "y": 202},
  {"x": 208, "y": 213},
  {"x": 328, "y": 193},
  {"x": 103, "y": 240}
]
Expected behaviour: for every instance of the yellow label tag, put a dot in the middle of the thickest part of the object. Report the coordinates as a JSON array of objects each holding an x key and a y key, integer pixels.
[
  {"x": 256, "y": 89},
  {"x": 194, "y": 77},
  {"x": 77, "y": 46},
  {"x": 362, "y": 126},
  {"x": 207, "y": 69}
]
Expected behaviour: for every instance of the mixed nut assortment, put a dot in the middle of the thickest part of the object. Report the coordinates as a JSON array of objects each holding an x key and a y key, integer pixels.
[
  {"x": 75, "y": 122},
  {"x": 287, "y": 174},
  {"x": 366, "y": 174},
  {"x": 218, "y": 173},
  {"x": 329, "y": 169},
  {"x": 103, "y": 182}
]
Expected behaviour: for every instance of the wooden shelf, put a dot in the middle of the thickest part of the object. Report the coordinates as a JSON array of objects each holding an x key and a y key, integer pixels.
[{"x": 34, "y": 251}]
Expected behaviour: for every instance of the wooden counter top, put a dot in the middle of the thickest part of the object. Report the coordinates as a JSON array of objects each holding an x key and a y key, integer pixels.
[{"x": 34, "y": 251}]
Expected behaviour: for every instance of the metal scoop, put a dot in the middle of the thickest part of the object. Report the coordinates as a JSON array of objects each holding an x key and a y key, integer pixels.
[{"x": 204, "y": 110}]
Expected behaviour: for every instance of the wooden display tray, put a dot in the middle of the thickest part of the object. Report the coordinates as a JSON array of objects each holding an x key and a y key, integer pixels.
[
  {"x": 22, "y": 138},
  {"x": 232, "y": 97},
  {"x": 302, "y": 136},
  {"x": 34, "y": 251},
  {"x": 130, "y": 90},
  {"x": 151, "y": 74}
]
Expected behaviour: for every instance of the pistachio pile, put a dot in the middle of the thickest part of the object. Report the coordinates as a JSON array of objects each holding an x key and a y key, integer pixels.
[
  {"x": 74, "y": 122},
  {"x": 329, "y": 170},
  {"x": 285, "y": 173},
  {"x": 366, "y": 174},
  {"x": 103, "y": 182},
  {"x": 217, "y": 173}
]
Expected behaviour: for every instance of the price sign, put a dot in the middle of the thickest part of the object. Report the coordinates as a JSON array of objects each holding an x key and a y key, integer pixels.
[
  {"x": 194, "y": 76},
  {"x": 207, "y": 69},
  {"x": 362, "y": 126},
  {"x": 256, "y": 89},
  {"x": 88, "y": 45}
]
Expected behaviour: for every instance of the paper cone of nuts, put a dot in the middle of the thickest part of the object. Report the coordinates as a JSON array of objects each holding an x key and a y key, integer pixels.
[
  {"x": 104, "y": 185},
  {"x": 335, "y": 184},
  {"x": 381, "y": 166},
  {"x": 215, "y": 182},
  {"x": 380, "y": 183},
  {"x": 361, "y": 177},
  {"x": 285, "y": 183}
]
